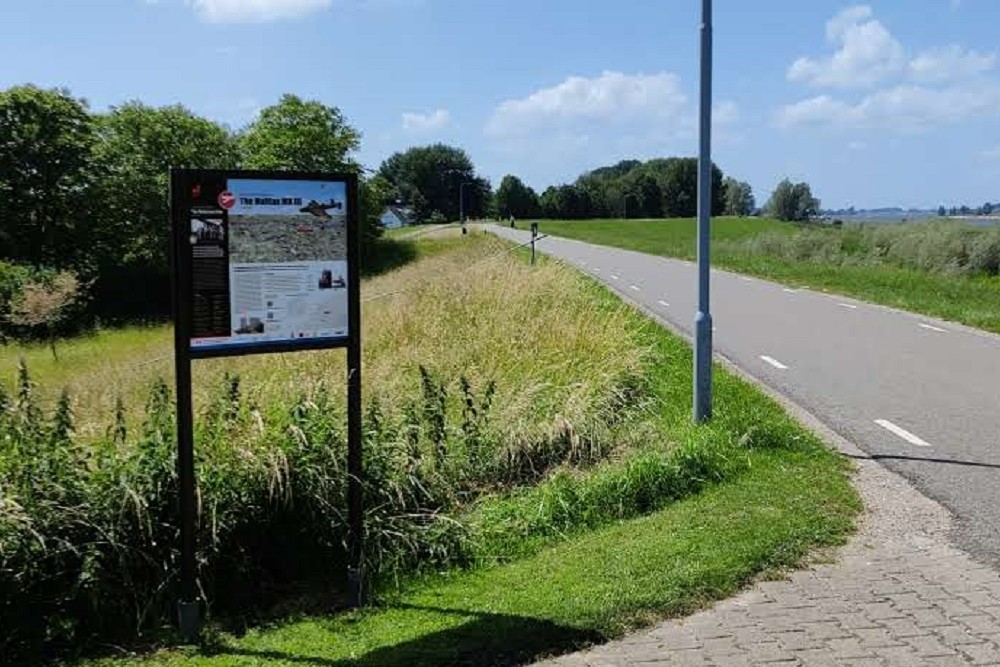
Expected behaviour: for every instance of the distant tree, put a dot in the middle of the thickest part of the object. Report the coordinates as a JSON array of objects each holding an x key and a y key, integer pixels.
[
  {"x": 306, "y": 135},
  {"x": 374, "y": 195},
  {"x": 428, "y": 178},
  {"x": 987, "y": 208},
  {"x": 42, "y": 305},
  {"x": 302, "y": 135},
  {"x": 514, "y": 198},
  {"x": 548, "y": 202},
  {"x": 942, "y": 212},
  {"x": 792, "y": 201},
  {"x": 739, "y": 197},
  {"x": 679, "y": 183},
  {"x": 46, "y": 141},
  {"x": 136, "y": 146},
  {"x": 646, "y": 200}
]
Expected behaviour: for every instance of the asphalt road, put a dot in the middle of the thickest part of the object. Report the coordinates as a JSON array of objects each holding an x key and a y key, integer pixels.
[{"x": 920, "y": 395}]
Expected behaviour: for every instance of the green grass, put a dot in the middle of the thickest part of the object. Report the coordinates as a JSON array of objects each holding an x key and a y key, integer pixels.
[
  {"x": 971, "y": 300},
  {"x": 578, "y": 563},
  {"x": 672, "y": 238},
  {"x": 586, "y": 590},
  {"x": 86, "y": 353}
]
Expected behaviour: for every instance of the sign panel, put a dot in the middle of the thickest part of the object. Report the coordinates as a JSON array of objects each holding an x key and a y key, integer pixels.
[{"x": 265, "y": 260}]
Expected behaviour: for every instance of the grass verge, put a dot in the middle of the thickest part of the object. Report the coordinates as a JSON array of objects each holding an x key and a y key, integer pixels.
[
  {"x": 923, "y": 268},
  {"x": 686, "y": 516},
  {"x": 585, "y": 590}
]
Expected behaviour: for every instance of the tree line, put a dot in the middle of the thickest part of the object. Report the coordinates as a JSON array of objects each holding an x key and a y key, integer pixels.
[
  {"x": 658, "y": 188},
  {"x": 435, "y": 181},
  {"x": 84, "y": 202},
  {"x": 84, "y": 194}
]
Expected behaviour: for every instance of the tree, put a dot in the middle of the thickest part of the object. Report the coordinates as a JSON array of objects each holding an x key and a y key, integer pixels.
[
  {"x": 679, "y": 183},
  {"x": 306, "y": 135},
  {"x": 942, "y": 212},
  {"x": 793, "y": 202},
  {"x": 739, "y": 197},
  {"x": 514, "y": 198},
  {"x": 137, "y": 144},
  {"x": 300, "y": 135},
  {"x": 45, "y": 304},
  {"x": 430, "y": 178},
  {"x": 46, "y": 138}
]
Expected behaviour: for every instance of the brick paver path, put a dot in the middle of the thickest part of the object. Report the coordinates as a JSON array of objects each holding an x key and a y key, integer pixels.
[{"x": 898, "y": 594}]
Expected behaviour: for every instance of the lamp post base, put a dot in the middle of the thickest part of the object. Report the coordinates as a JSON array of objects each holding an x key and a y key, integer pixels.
[{"x": 702, "y": 367}]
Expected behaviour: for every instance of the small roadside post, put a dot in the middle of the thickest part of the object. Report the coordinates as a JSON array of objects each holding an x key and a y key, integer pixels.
[{"x": 534, "y": 237}]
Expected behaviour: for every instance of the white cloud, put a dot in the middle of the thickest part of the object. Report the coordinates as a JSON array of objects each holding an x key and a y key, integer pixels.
[
  {"x": 426, "y": 122},
  {"x": 955, "y": 4},
  {"x": 992, "y": 154},
  {"x": 939, "y": 86},
  {"x": 255, "y": 11},
  {"x": 612, "y": 97},
  {"x": 867, "y": 53},
  {"x": 946, "y": 64},
  {"x": 903, "y": 107},
  {"x": 725, "y": 113}
]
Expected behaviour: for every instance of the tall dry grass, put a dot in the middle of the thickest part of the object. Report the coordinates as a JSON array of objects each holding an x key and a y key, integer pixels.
[
  {"x": 946, "y": 248},
  {"x": 481, "y": 374}
]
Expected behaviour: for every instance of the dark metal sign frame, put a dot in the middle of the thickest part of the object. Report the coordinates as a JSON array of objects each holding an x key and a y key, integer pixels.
[{"x": 196, "y": 189}]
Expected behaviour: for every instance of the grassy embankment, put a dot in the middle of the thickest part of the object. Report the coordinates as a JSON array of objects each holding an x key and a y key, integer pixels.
[
  {"x": 527, "y": 449},
  {"x": 943, "y": 269}
]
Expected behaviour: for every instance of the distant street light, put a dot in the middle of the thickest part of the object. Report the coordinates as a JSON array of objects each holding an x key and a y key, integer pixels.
[
  {"x": 625, "y": 204},
  {"x": 461, "y": 201},
  {"x": 703, "y": 318},
  {"x": 461, "y": 196}
]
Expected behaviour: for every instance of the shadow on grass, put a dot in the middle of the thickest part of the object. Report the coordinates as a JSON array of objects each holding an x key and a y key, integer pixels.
[
  {"x": 385, "y": 254},
  {"x": 489, "y": 640}
]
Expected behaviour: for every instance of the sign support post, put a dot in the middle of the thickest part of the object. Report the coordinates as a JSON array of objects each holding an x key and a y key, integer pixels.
[
  {"x": 355, "y": 465},
  {"x": 534, "y": 236},
  {"x": 188, "y": 606}
]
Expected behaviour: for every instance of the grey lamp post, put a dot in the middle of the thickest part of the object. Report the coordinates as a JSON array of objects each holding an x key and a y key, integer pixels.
[
  {"x": 625, "y": 204},
  {"x": 703, "y": 318},
  {"x": 461, "y": 201},
  {"x": 461, "y": 205}
]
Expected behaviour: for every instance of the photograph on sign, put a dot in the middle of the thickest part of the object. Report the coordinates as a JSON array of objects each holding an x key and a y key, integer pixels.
[{"x": 272, "y": 266}]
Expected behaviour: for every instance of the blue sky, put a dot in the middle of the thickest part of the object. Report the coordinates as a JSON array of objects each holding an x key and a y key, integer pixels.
[{"x": 880, "y": 104}]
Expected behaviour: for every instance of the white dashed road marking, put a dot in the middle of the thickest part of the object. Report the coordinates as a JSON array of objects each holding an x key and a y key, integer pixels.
[
  {"x": 790, "y": 291},
  {"x": 848, "y": 305},
  {"x": 933, "y": 328},
  {"x": 902, "y": 433},
  {"x": 634, "y": 288},
  {"x": 663, "y": 303},
  {"x": 614, "y": 277},
  {"x": 774, "y": 362}
]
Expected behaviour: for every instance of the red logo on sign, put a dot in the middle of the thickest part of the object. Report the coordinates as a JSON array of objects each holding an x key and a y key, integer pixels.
[{"x": 227, "y": 200}]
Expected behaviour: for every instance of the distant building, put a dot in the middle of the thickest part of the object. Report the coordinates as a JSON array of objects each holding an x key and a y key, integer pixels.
[{"x": 394, "y": 217}]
